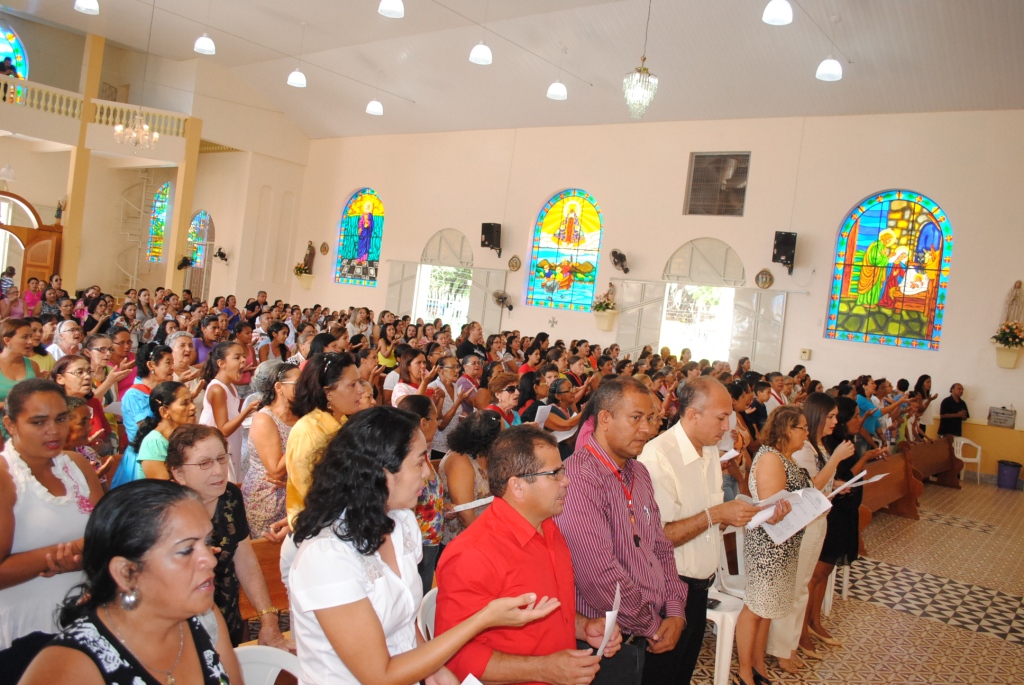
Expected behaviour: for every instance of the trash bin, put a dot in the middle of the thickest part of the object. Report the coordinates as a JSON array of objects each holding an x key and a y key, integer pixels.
[{"x": 1009, "y": 472}]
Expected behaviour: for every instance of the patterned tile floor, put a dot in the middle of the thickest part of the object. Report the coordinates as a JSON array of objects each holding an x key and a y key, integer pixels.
[{"x": 938, "y": 600}]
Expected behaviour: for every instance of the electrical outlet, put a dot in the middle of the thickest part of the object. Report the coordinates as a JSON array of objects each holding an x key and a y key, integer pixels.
[{"x": 805, "y": 355}]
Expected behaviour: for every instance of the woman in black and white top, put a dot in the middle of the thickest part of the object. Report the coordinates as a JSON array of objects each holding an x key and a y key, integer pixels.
[{"x": 145, "y": 611}]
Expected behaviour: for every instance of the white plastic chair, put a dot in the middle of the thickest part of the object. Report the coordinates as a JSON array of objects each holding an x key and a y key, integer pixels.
[
  {"x": 261, "y": 665},
  {"x": 826, "y": 602},
  {"x": 958, "y": 452},
  {"x": 735, "y": 585},
  {"x": 425, "y": 617},
  {"x": 724, "y": 616}
]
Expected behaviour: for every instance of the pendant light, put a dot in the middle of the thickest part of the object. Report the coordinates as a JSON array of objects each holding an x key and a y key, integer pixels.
[
  {"x": 87, "y": 6},
  {"x": 640, "y": 85},
  {"x": 392, "y": 9},
  {"x": 557, "y": 90},
  {"x": 375, "y": 107},
  {"x": 778, "y": 13},
  {"x": 481, "y": 54},
  {"x": 297, "y": 79},
  {"x": 204, "y": 45},
  {"x": 829, "y": 70}
]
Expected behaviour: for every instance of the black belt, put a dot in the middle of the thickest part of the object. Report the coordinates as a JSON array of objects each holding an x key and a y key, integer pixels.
[
  {"x": 701, "y": 584},
  {"x": 637, "y": 640}
]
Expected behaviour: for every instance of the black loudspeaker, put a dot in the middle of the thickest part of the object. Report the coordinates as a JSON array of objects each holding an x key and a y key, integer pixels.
[
  {"x": 784, "y": 249},
  {"x": 490, "y": 237}
]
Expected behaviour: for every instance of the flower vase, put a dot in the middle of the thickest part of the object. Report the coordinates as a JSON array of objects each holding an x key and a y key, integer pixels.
[
  {"x": 605, "y": 320},
  {"x": 305, "y": 281},
  {"x": 1007, "y": 357}
]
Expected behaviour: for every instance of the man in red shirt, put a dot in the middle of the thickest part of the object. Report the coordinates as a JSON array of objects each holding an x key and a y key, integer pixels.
[{"x": 512, "y": 548}]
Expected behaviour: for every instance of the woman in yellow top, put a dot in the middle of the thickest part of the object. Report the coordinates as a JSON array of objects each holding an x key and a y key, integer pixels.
[
  {"x": 327, "y": 392},
  {"x": 386, "y": 346}
]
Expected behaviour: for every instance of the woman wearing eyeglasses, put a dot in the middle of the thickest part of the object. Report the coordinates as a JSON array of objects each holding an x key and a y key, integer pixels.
[
  {"x": 73, "y": 372},
  {"x": 504, "y": 388},
  {"x": 171, "y": 406},
  {"x": 197, "y": 457},
  {"x": 105, "y": 378},
  {"x": 448, "y": 416}
]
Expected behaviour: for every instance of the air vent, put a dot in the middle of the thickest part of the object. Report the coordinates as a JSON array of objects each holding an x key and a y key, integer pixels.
[{"x": 718, "y": 183}]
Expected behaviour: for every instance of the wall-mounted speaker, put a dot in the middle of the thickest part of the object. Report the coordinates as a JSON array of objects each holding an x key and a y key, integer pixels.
[
  {"x": 784, "y": 250},
  {"x": 490, "y": 237}
]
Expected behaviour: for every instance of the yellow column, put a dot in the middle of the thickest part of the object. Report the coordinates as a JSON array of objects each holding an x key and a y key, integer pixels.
[
  {"x": 176, "y": 240},
  {"x": 78, "y": 174}
]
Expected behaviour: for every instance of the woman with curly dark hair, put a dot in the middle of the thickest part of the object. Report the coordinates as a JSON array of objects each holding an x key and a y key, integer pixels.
[
  {"x": 463, "y": 470},
  {"x": 353, "y": 584}
]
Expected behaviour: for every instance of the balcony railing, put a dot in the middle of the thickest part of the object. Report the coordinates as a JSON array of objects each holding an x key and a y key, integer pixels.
[
  {"x": 165, "y": 123},
  {"x": 41, "y": 98}
]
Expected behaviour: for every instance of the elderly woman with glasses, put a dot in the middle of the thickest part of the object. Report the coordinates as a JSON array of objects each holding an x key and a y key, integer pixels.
[
  {"x": 106, "y": 378},
  {"x": 451, "y": 399},
  {"x": 504, "y": 387},
  {"x": 72, "y": 372},
  {"x": 197, "y": 457},
  {"x": 67, "y": 339}
]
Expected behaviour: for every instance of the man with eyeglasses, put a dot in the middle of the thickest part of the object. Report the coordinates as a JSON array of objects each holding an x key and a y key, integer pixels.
[
  {"x": 67, "y": 339},
  {"x": 515, "y": 547},
  {"x": 613, "y": 527}
]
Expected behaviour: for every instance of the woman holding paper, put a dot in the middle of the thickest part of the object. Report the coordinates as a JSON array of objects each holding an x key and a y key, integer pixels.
[
  {"x": 785, "y": 633},
  {"x": 771, "y": 568},
  {"x": 842, "y": 539}
]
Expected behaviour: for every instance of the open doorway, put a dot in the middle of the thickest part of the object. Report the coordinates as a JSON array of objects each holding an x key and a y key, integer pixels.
[
  {"x": 699, "y": 317},
  {"x": 442, "y": 292}
]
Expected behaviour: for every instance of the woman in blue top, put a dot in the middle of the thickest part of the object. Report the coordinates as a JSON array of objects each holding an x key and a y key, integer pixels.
[
  {"x": 865, "y": 387},
  {"x": 154, "y": 365}
]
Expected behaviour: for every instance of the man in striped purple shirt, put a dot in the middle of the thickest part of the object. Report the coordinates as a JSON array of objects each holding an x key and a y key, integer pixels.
[{"x": 613, "y": 527}]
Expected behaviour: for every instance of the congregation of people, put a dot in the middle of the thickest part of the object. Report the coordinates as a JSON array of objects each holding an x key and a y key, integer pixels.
[{"x": 525, "y": 483}]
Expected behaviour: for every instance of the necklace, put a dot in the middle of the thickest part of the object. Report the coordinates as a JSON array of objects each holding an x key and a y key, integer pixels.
[{"x": 165, "y": 673}]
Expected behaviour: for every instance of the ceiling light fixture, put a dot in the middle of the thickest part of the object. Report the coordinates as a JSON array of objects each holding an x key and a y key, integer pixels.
[
  {"x": 7, "y": 173},
  {"x": 297, "y": 79},
  {"x": 557, "y": 90},
  {"x": 392, "y": 9},
  {"x": 640, "y": 85},
  {"x": 87, "y": 6},
  {"x": 829, "y": 70},
  {"x": 137, "y": 134},
  {"x": 481, "y": 54},
  {"x": 205, "y": 46},
  {"x": 778, "y": 13},
  {"x": 375, "y": 107}
]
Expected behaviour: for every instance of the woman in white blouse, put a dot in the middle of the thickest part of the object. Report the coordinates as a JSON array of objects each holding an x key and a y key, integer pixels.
[
  {"x": 353, "y": 586},
  {"x": 784, "y": 634}
]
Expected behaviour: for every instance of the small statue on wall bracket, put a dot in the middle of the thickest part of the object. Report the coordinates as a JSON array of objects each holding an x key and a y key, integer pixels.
[
  {"x": 307, "y": 261},
  {"x": 1014, "y": 309}
]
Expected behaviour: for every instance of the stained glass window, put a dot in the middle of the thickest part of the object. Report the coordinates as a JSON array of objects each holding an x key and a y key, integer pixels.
[
  {"x": 891, "y": 272},
  {"x": 565, "y": 254},
  {"x": 158, "y": 224},
  {"x": 12, "y": 47},
  {"x": 198, "y": 235},
  {"x": 359, "y": 236}
]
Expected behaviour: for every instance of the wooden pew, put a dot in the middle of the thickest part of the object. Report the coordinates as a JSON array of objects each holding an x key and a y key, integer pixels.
[
  {"x": 935, "y": 459},
  {"x": 896, "y": 494},
  {"x": 269, "y": 555}
]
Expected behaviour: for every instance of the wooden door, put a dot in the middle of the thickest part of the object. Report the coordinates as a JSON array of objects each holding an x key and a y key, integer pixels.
[{"x": 42, "y": 255}]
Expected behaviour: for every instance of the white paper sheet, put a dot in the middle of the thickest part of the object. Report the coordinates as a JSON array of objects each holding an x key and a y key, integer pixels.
[
  {"x": 543, "y": 411},
  {"x": 472, "y": 505},
  {"x": 873, "y": 479},
  {"x": 565, "y": 435},
  {"x": 610, "y": 617},
  {"x": 808, "y": 504},
  {"x": 471, "y": 680},
  {"x": 731, "y": 454},
  {"x": 848, "y": 484},
  {"x": 767, "y": 507}
]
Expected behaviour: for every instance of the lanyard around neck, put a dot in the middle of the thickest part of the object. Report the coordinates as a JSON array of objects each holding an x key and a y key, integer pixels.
[{"x": 628, "y": 492}]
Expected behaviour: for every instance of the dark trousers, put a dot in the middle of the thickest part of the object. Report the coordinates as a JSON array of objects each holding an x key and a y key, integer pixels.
[
  {"x": 428, "y": 565},
  {"x": 625, "y": 668},
  {"x": 666, "y": 668},
  {"x": 696, "y": 621}
]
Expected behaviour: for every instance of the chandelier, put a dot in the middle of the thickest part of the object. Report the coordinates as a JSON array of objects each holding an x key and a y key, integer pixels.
[
  {"x": 137, "y": 134},
  {"x": 640, "y": 85}
]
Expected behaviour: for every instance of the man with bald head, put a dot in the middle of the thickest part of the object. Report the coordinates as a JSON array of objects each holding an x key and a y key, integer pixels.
[{"x": 687, "y": 477}]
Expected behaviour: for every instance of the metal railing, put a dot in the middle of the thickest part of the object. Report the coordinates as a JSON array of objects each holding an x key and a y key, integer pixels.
[{"x": 41, "y": 98}]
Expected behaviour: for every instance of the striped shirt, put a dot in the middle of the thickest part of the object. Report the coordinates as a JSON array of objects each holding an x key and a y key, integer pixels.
[{"x": 596, "y": 524}]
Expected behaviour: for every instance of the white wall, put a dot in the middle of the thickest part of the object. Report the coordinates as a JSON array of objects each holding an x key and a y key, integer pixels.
[
  {"x": 805, "y": 175},
  {"x": 221, "y": 185},
  {"x": 41, "y": 177},
  {"x": 54, "y": 55}
]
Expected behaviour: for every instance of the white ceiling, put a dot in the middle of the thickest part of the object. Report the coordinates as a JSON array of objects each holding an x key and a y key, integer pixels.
[{"x": 715, "y": 58}]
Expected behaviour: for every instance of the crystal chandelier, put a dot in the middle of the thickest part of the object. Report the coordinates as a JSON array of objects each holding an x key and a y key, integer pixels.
[
  {"x": 137, "y": 135},
  {"x": 640, "y": 85}
]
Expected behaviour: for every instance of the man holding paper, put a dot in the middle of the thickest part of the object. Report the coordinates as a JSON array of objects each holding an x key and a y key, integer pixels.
[
  {"x": 516, "y": 544},
  {"x": 687, "y": 477}
]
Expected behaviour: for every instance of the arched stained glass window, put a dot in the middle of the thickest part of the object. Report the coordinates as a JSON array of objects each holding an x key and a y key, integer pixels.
[
  {"x": 359, "y": 237},
  {"x": 12, "y": 48},
  {"x": 566, "y": 251},
  {"x": 891, "y": 272},
  {"x": 158, "y": 224},
  {"x": 198, "y": 235}
]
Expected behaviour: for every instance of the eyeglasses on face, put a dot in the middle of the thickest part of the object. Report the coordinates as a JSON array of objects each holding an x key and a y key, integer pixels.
[
  {"x": 556, "y": 474},
  {"x": 81, "y": 373},
  {"x": 207, "y": 464},
  {"x": 101, "y": 350},
  {"x": 511, "y": 388}
]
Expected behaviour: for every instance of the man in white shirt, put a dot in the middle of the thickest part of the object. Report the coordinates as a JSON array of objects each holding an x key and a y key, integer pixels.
[
  {"x": 687, "y": 477},
  {"x": 67, "y": 339},
  {"x": 778, "y": 396}
]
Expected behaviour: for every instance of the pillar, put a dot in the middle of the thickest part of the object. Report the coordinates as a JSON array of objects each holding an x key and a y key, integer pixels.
[
  {"x": 176, "y": 240},
  {"x": 78, "y": 174}
]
